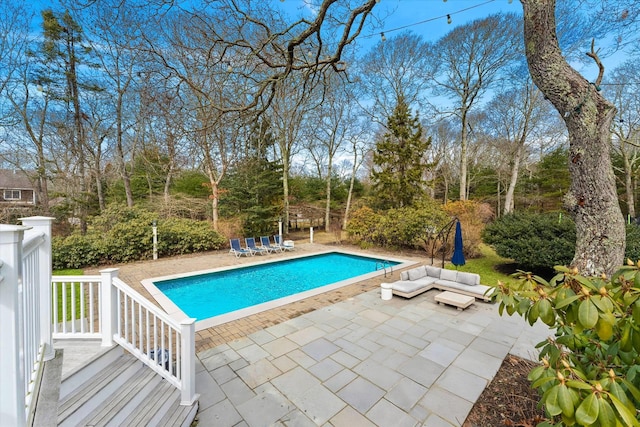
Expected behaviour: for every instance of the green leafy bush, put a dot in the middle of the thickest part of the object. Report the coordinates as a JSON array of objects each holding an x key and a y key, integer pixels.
[
  {"x": 401, "y": 227},
  {"x": 532, "y": 240},
  {"x": 543, "y": 240},
  {"x": 123, "y": 234},
  {"x": 590, "y": 372},
  {"x": 362, "y": 225},
  {"x": 75, "y": 251},
  {"x": 178, "y": 236}
]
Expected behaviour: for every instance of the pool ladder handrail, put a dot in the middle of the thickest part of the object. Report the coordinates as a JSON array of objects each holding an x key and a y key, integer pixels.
[{"x": 383, "y": 265}]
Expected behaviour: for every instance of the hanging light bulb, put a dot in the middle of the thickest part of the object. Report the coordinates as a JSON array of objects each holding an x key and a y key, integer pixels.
[
  {"x": 448, "y": 19},
  {"x": 382, "y": 37},
  {"x": 229, "y": 67}
]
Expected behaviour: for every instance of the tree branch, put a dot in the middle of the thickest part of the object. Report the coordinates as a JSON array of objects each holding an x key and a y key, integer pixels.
[{"x": 594, "y": 55}]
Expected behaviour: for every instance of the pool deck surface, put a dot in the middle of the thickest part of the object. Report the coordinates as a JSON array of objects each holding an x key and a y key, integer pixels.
[{"x": 347, "y": 357}]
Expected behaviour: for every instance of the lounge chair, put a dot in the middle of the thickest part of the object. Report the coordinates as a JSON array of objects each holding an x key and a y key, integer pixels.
[
  {"x": 251, "y": 245},
  {"x": 237, "y": 250},
  {"x": 276, "y": 238},
  {"x": 266, "y": 243}
]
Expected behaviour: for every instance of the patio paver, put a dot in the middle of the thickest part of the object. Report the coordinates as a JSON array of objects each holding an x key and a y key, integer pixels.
[{"x": 347, "y": 357}]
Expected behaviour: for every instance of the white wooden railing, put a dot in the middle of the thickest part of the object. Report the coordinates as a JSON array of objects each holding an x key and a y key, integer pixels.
[
  {"x": 25, "y": 319},
  {"x": 35, "y": 308}
]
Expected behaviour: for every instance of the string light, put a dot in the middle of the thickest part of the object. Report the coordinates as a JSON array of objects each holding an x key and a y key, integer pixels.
[
  {"x": 448, "y": 19},
  {"x": 432, "y": 19},
  {"x": 229, "y": 67},
  {"x": 382, "y": 37}
]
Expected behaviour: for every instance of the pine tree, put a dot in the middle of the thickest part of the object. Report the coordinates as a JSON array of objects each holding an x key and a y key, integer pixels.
[{"x": 399, "y": 161}]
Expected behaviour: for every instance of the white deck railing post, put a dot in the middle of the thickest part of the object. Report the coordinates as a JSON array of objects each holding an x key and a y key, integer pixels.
[
  {"x": 43, "y": 224},
  {"x": 188, "y": 374},
  {"x": 109, "y": 306},
  {"x": 12, "y": 386}
]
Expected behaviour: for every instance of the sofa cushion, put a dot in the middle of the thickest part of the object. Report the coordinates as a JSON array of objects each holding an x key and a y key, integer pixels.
[
  {"x": 432, "y": 271},
  {"x": 470, "y": 279},
  {"x": 448, "y": 274},
  {"x": 407, "y": 286},
  {"x": 404, "y": 275},
  {"x": 425, "y": 281},
  {"x": 417, "y": 273},
  {"x": 477, "y": 291}
]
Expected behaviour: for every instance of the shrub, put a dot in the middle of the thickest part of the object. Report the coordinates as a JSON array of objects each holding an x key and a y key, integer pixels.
[
  {"x": 590, "y": 372},
  {"x": 362, "y": 226},
  {"x": 124, "y": 234},
  {"x": 473, "y": 218},
  {"x": 178, "y": 236},
  {"x": 401, "y": 227},
  {"x": 532, "y": 240},
  {"x": 542, "y": 240},
  {"x": 74, "y": 251}
]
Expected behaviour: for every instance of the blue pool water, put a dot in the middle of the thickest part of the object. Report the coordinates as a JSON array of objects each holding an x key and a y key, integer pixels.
[{"x": 207, "y": 295}]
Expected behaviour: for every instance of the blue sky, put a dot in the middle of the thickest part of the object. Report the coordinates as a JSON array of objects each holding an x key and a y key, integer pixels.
[
  {"x": 429, "y": 19},
  {"x": 434, "y": 12}
]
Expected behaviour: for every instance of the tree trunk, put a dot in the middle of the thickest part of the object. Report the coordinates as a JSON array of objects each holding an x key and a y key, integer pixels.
[
  {"x": 463, "y": 157},
  {"x": 126, "y": 179},
  {"x": 351, "y": 184},
  {"x": 592, "y": 199},
  {"x": 628, "y": 184},
  {"x": 285, "y": 191},
  {"x": 327, "y": 213},
  {"x": 214, "y": 198},
  {"x": 515, "y": 169}
]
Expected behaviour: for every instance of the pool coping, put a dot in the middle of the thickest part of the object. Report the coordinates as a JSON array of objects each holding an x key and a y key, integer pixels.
[{"x": 177, "y": 314}]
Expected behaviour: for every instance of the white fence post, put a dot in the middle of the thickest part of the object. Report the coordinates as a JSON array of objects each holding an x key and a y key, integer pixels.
[
  {"x": 188, "y": 374},
  {"x": 43, "y": 224},
  {"x": 109, "y": 308},
  {"x": 12, "y": 386}
]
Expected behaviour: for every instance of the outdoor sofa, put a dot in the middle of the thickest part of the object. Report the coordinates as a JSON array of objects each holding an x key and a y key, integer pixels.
[{"x": 420, "y": 279}]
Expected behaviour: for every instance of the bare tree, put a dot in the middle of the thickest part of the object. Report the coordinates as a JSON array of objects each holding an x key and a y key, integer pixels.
[
  {"x": 623, "y": 91},
  {"x": 287, "y": 112},
  {"x": 517, "y": 116},
  {"x": 395, "y": 68},
  {"x": 592, "y": 199},
  {"x": 23, "y": 106},
  {"x": 115, "y": 33},
  {"x": 335, "y": 122},
  {"x": 466, "y": 62}
]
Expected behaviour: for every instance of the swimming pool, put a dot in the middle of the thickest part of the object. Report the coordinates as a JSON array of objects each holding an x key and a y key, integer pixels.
[{"x": 225, "y": 294}]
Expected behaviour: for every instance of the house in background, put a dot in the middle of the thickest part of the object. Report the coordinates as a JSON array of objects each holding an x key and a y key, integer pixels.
[{"x": 16, "y": 189}]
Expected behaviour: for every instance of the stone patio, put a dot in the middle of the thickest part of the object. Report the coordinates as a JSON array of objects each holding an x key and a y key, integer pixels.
[{"x": 346, "y": 357}]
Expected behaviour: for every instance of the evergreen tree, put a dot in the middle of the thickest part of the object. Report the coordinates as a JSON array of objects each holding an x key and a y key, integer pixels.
[
  {"x": 399, "y": 161},
  {"x": 254, "y": 185}
]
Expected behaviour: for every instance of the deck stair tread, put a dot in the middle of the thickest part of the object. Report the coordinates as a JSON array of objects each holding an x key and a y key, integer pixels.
[
  {"x": 161, "y": 398},
  {"x": 109, "y": 378},
  {"x": 126, "y": 396},
  {"x": 122, "y": 392}
]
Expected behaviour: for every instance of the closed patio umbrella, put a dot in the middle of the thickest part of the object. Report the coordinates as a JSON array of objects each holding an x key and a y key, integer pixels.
[{"x": 458, "y": 255}]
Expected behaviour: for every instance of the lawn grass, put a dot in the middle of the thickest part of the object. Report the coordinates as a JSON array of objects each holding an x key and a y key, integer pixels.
[
  {"x": 68, "y": 272},
  {"x": 485, "y": 266}
]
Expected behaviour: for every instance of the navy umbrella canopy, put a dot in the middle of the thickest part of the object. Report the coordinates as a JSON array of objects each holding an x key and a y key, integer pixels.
[{"x": 458, "y": 255}]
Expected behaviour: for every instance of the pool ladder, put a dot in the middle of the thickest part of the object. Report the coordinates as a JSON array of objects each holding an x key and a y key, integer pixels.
[{"x": 383, "y": 265}]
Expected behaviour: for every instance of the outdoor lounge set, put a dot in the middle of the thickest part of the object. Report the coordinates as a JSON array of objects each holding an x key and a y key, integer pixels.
[
  {"x": 265, "y": 246},
  {"x": 425, "y": 277}
]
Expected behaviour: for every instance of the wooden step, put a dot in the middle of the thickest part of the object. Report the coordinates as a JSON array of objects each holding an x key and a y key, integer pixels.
[
  {"x": 94, "y": 366},
  {"x": 125, "y": 392},
  {"x": 86, "y": 398}
]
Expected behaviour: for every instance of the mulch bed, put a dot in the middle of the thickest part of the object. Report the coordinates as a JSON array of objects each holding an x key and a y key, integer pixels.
[{"x": 509, "y": 400}]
